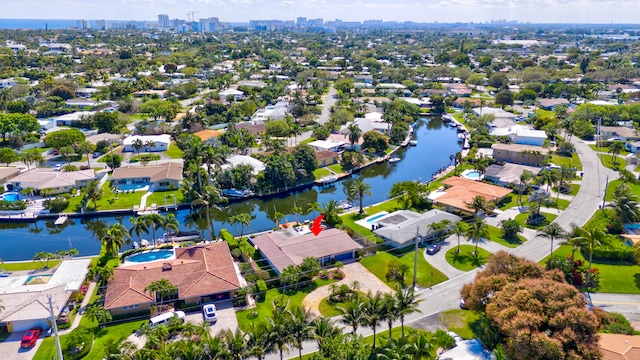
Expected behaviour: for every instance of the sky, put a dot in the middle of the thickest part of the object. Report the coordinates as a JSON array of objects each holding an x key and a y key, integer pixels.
[{"x": 537, "y": 11}]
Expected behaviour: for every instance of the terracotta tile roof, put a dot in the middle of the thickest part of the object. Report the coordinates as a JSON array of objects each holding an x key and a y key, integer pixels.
[
  {"x": 207, "y": 134},
  {"x": 619, "y": 347},
  {"x": 196, "y": 271},
  {"x": 283, "y": 249},
  {"x": 462, "y": 191},
  {"x": 170, "y": 170}
]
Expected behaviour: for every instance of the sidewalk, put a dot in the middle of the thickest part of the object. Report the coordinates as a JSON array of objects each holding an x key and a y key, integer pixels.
[{"x": 83, "y": 306}]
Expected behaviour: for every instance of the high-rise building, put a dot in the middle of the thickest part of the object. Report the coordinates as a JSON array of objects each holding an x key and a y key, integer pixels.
[
  {"x": 84, "y": 24},
  {"x": 301, "y": 21},
  {"x": 163, "y": 21},
  {"x": 209, "y": 25},
  {"x": 103, "y": 25}
]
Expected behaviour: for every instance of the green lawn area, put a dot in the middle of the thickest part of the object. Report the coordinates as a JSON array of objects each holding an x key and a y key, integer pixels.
[
  {"x": 116, "y": 333},
  {"x": 264, "y": 307},
  {"x": 541, "y": 113},
  {"x": 349, "y": 220},
  {"x": 74, "y": 204},
  {"x": 573, "y": 161},
  {"x": 311, "y": 139},
  {"x": 607, "y": 160},
  {"x": 72, "y": 158},
  {"x": 635, "y": 188},
  {"x": 328, "y": 309},
  {"x": 144, "y": 157},
  {"x": 614, "y": 278},
  {"x": 466, "y": 260},
  {"x": 522, "y": 219},
  {"x": 337, "y": 168},
  {"x": 321, "y": 172},
  {"x": 495, "y": 235},
  {"x": 605, "y": 149},
  {"x": 465, "y": 323},
  {"x": 510, "y": 201},
  {"x": 174, "y": 152},
  {"x": 574, "y": 190},
  {"x": 111, "y": 201},
  {"x": 27, "y": 265},
  {"x": 428, "y": 275},
  {"x": 165, "y": 197},
  {"x": 561, "y": 204}
]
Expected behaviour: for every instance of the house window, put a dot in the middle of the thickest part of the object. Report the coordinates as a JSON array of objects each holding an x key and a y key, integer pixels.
[
  {"x": 130, "y": 307},
  {"x": 164, "y": 183}
]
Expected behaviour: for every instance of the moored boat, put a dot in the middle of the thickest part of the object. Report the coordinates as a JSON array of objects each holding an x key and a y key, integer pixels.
[
  {"x": 394, "y": 159},
  {"x": 183, "y": 236}
]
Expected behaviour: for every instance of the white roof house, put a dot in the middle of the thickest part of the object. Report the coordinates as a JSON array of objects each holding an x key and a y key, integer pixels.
[
  {"x": 269, "y": 113},
  {"x": 468, "y": 350},
  {"x": 400, "y": 227},
  {"x": 530, "y": 137},
  {"x": 71, "y": 273},
  {"x": 28, "y": 306},
  {"x": 47, "y": 178},
  {"x": 496, "y": 112},
  {"x": 159, "y": 142},
  {"x": 66, "y": 119},
  {"x": 235, "y": 93},
  {"x": 236, "y": 160},
  {"x": 508, "y": 131},
  {"x": 329, "y": 145}
]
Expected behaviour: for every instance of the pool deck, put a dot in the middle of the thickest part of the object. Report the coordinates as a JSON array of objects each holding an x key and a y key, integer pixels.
[{"x": 365, "y": 223}]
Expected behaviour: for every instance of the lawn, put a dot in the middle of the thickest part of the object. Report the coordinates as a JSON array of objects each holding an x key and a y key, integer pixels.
[
  {"x": 174, "y": 151},
  {"x": 72, "y": 158},
  {"x": 510, "y": 201},
  {"x": 116, "y": 333},
  {"x": 74, "y": 204},
  {"x": 264, "y": 307},
  {"x": 541, "y": 113},
  {"x": 111, "y": 201},
  {"x": 349, "y": 220},
  {"x": 574, "y": 190},
  {"x": 495, "y": 235},
  {"x": 336, "y": 168},
  {"x": 605, "y": 149},
  {"x": 614, "y": 278},
  {"x": 607, "y": 161},
  {"x": 573, "y": 161},
  {"x": 522, "y": 219},
  {"x": 428, "y": 275},
  {"x": 321, "y": 172},
  {"x": 465, "y": 323},
  {"x": 328, "y": 309},
  {"x": 466, "y": 260},
  {"x": 635, "y": 188},
  {"x": 165, "y": 197},
  {"x": 27, "y": 265},
  {"x": 144, "y": 158},
  {"x": 311, "y": 139}
]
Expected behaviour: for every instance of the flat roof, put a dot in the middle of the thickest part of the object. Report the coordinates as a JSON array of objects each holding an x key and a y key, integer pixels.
[{"x": 71, "y": 273}]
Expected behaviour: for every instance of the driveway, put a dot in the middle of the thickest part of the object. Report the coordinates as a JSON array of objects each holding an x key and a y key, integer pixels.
[
  {"x": 353, "y": 272},
  {"x": 226, "y": 318},
  {"x": 10, "y": 348}
]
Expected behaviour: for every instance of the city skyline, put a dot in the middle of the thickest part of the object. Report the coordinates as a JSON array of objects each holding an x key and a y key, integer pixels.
[{"x": 546, "y": 11}]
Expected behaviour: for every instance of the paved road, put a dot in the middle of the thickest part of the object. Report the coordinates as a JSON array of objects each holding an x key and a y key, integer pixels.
[
  {"x": 329, "y": 101},
  {"x": 446, "y": 295},
  {"x": 629, "y": 305}
]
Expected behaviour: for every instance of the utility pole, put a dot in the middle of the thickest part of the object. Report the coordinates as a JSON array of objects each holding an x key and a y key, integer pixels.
[
  {"x": 55, "y": 329},
  {"x": 604, "y": 197},
  {"x": 415, "y": 258}
]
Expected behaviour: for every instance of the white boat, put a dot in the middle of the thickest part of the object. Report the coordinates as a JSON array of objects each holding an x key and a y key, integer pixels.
[
  {"x": 147, "y": 212},
  {"x": 61, "y": 220},
  {"x": 394, "y": 159},
  {"x": 237, "y": 193},
  {"x": 328, "y": 179},
  {"x": 345, "y": 204},
  {"x": 448, "y": 118},
  {"x": 413, "y": 142},
  {"x": 461, "y": 137},
  {"x": 183, "y": 236}
]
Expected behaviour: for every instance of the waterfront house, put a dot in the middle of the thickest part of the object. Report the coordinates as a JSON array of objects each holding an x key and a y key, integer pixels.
[
  {"x": 507, "y": 174},
  {"x": 202, "y": 274},
  {"x": 519, "y": 154},
  {"x": 7, "y": 173},
  {"x": 400, "y": 228},
  {"x": 326, "y": 158},
  {"x": 330, "y": 145},
  {"x": 236, "y": 160},
  {"x": 25, "y": 298},
  {"x": 287, "y": 247},
  {"x": 496, "y": 112},
  {"x": 48, "y": 178},
  {"x": 530, "y": 137},
  {"x": 459, "y": 193},
  {"x": 152, "y": 143},
  {"x": 158, "y": 177}
]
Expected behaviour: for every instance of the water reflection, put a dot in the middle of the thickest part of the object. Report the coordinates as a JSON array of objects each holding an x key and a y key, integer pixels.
[{"x": 437, "y": 141}]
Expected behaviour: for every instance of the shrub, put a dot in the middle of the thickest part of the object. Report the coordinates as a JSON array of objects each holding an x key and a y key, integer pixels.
[
  {"x": 617, "y": 324},
  {"x": 229, "y": 238},
  {"x": 12, "y": 206},
  {"x": 615, "y": 251},
  {"x": 78, "y": 344},
  {"x": 57, "y": 204},
  {"x": 236, "y": 253},
  {"x": 262, "y": 285}
]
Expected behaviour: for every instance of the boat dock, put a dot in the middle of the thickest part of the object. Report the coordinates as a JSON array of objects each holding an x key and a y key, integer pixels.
[{"x": 61, "y": 220}]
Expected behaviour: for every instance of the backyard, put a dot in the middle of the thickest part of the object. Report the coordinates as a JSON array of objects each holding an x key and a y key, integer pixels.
[{"x": 378, "y": 264}]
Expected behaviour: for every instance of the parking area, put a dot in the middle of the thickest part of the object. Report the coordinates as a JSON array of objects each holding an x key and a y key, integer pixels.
[
  {"x": 226, "y": 318},
  {"x": 10, "y": 348}
]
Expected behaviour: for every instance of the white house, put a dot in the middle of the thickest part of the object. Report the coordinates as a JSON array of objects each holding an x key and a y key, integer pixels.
[
  {"x": 269, "y": 113},
  {"x": 234, "y": 93},
  {"x": 632, "y": 147},
  {"x": 330, "y": 145},
  {"x": 7, "y": 83},
  {"x": 152, "y": 143},
  {"x": 235, "y": 160},
  {"x": 530, "y": 137}
]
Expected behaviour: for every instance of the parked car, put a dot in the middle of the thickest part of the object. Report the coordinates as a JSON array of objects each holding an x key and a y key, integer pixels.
[
  {"x": 96, "y": 154},
  {"x": 463, "y": 304},
  {"x": 433, "y": 248},
  {"x": 30, "y": 337},
  {"x": 55, "y": 152},
  {"x": 57, "y": 167},
  {"x": 163, "y": 319},
  {"x": 210, "y": 313}
]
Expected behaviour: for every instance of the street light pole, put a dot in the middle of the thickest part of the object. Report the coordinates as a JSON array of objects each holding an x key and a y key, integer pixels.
[
  {"x": 415, "y": 258},
  {"x": 55, "y": 329}
]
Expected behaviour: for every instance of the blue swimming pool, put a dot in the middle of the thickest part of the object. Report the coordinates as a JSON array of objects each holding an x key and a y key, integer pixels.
[
  {"x": 38, "y": 279},
  {"x": 150, "y": 256},
  {"x": 134, "y": 187},
  {"x": 376, "y": 217},
  {"x": 10, "y": 197},
  {"x": 473, "y": 175},
  {"x": 633, "y": 228}
]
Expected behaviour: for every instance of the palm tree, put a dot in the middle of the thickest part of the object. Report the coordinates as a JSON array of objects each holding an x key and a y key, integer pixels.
[
  {"x": 358, "y": 188},
  {"x": 625, "y": 204},
  {"x": 547, "y": 177},
  {"x": 278, "y": 327},
  {"x": 314, "y": 207},
  {"x": 115, "y": 236},
  {"x": 170, "y": 223},
  {"x": 138, "y": 144},
  {"x": 93, "y": 192},
  {"x": 616, "y": 148},
  {"x": 524, "y": 178},
  {"x": 324, "y": 328},
  {"x": 97, "y": 313},
  {"x": 161, "y": 288},
  {"x": 406, "y": 303},
  {"x": 300, "y": 320},
  {"x": 66, "y": 152},
  {"x": 296, "y": 210},
  {"x": 138, "y": 226},
  {"x": 460, "y": 229},
  {"x": 458, "y": 160},
  {"x": 389, "y": 311},
  {"x": 331, "y": 212},
  {"x": 566, "y": 173},
  {"x": 6, "y": 95},
  {"x": 352, "y": 313},
  {"x": 354, "y": 133},
  {"x": 592, "y": 235},
  {"x": 373, "y": 307},
  {"x": 477, "y": 230},
  {"x": 154, "y": 221},
  {"x": 553, "y": 231},
  {"x": 479, "y": 204},
  {"x": 86, "y": 148},
  {"x": 259, "y": 341},
  {"x": 209, "y": 197}
]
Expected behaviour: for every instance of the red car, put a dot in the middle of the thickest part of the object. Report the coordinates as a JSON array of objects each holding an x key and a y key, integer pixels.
[{"x": 30, "y": 337}]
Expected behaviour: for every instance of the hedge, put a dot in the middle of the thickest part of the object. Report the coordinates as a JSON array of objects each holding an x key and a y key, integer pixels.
[{"x": 614, "y": 251}]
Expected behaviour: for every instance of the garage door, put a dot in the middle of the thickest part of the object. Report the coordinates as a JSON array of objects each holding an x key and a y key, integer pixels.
[
  {"x": 342, "y": 257},
  {"x": 24, "y": 325}
]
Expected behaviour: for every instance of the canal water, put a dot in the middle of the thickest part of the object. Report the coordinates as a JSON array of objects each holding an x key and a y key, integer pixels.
[{"x": 436, "y": 142}]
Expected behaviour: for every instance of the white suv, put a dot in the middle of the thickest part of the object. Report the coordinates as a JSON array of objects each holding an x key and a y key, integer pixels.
[{"x": 210, "y": 313}]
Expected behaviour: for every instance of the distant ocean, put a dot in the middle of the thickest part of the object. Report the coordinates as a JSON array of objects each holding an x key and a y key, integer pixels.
[{"x": 36, "y": 24}]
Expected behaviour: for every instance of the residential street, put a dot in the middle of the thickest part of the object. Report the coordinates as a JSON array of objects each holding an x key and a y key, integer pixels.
[{"x": 446, "y": 295}]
